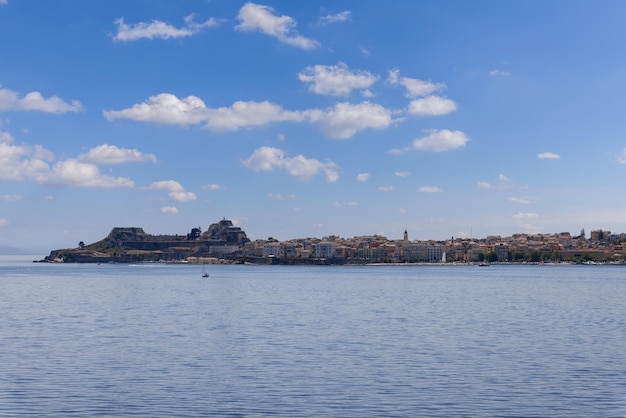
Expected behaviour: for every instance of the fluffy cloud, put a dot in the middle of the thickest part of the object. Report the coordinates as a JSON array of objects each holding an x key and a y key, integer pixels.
[
  {"x": 622, "y": 157},
  {"x": 443, "y": 140},
  {"x": 336, "y": 80},
  {"x": 548, "y": 156},
  {"x": 72, "y": 172},
  {"x": 342, "y": 121},
  {"x": 10, "y": 101},
  {"x": 174, "y": 190},
  {"x": 166, "y": 109},
  {"x": 255, "y": 17},
  {"x": 363, "y": 177},
  {"x": 339, "y": 17},
  {"x": 525, "y": 215},
  {"x": 431, "y": 106},
  {"x": 3, "y": 222},
  {"x": 159, "y": 30},
  {"x": 169, "y": 210},
  {"x": 345, "y": 119},
  {"x": 386, "y": 188},
  {"x": 403, "y": 174},
  {"x": 268, "y": 158},
  {"x": 414, "y": 86},
  {"x": 22, "y": 162},
  {"x": 247, "y": 114},
  {"x": 110, "y": 154},
  {"x": 518, "y": 200},
  {"x": 430, "y": 189},
  {"x": 26, "y": 163}
]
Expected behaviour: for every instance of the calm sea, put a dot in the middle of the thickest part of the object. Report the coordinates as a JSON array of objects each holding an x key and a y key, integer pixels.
[{"x": 159, "y": 340}]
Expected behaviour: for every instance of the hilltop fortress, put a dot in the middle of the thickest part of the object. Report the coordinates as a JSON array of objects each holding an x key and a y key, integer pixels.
[
  {"x": 225, "y": 243},
  {"x": 135, "y": 245}
]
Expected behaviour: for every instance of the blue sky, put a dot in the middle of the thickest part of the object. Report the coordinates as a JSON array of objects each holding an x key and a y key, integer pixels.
[{"x": 309, "y": 119}]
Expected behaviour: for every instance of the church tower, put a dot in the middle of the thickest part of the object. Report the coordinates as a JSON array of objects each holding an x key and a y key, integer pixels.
[{"x": 406, "y": 236}]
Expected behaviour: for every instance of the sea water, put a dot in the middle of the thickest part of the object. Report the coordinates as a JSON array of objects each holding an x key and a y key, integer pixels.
[{"x": 159, "y": 340}]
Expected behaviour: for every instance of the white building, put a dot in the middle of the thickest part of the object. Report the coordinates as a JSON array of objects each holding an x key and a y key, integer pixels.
[
  {"x": 324, "y": 250},
  {"x": 271, "y": 249}
]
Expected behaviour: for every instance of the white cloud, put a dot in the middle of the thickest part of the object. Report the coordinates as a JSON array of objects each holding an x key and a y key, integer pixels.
[
  {"x": 525, "y": 215},
  {"x": 167, "y": 109},
  {"x": 247, "y": 114},
  {"x": 72, "y": 172},
  {"x": 503, "y": 183},
  {"x": 443, "y": 140},
  {"x": 159, "y": 30},
  {"x": 336, "y": 80},
  {"x": 213, "y": 187},
  {"x": 342, "y": 121},
  {"x": 256, "y": 17},
  {"x": 268, "y": 158},
  {"x": 499, "y": 73},
  {"x": 22, "y": 162},
  {"x": 386, "y": 188},
  {"x": 10, "y": 101},
  {"x": 522, "y": 221},
  {"x": 339, "y": 17},
  {"x": 430, "y": 189},
  {"x": 345, "y": 119},
  {"x": 110, "y": 154},
  {"x": 169, "y": 210},
  {"x": 403, "y": 173},
  {"x": 174, "y": 190},
  {"x": 622, "y": 157},
  {"x": 398, "y": 151},
  {"x": 414, "y": 86},
  {"x": 431, "y": 106},
  {"x": 152, "y": 30},
  {"x": 3, "y": 222},
  {"x": 363, "y": 177},
  {"x": 279, "y": 196},
  {"x": 548, "y": 156},
  {"x": 518, "y": 200},
  {"x": 11, "y": 197},
  {"x": 4, "y": 1},
  {"x": 211, "y": 22},
  {"x": 5, "y": 137},
  {"x": 32, "y": 163}
]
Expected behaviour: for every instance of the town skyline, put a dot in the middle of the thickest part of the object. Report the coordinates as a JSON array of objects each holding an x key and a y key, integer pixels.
[
  {"x": 223, "y": 242},
  {"x": 298, "y": 119}
]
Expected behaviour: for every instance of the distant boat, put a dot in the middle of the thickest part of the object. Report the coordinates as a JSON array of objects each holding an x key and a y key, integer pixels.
[
  {"x": 204, "y": 272},
  {"x": 484, "y": 264}
]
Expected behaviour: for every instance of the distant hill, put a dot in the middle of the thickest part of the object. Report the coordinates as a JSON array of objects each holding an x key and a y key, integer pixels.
[{"x": 6, "y": 250}]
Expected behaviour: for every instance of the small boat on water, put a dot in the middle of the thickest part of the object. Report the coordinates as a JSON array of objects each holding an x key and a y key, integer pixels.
[{"x": 204, "y": 272}]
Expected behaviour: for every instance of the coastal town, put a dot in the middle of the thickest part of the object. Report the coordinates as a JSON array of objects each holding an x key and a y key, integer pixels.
[{"x": 224, "y": 242}]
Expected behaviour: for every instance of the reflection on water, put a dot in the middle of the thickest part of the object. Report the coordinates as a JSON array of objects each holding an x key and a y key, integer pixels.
[{"x": 158, "y": 340}]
